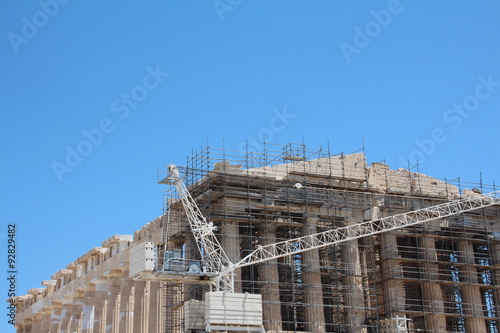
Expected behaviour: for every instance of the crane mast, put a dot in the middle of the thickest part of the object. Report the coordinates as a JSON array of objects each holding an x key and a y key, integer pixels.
[
  {"x": 216, "y": 260},
  {"x": 212, "y": 254}
]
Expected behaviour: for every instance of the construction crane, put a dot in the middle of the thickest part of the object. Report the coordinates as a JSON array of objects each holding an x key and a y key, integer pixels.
[
  {"x": 212, "y": 254},
  {"x": 217, "y": 269},
  {"x": 218, "y": 263}
]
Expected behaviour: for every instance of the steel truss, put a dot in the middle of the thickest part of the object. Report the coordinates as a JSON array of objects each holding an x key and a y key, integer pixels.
[
  {"x": 213, "y": 256},
  {"x": 343, "y": 234}
]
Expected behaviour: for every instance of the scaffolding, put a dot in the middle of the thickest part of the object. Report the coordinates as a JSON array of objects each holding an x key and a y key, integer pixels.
[{"x": 439, "y": 277}]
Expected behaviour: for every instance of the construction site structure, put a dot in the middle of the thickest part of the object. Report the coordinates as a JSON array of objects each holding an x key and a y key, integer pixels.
[{"x": 441, "y": 276}]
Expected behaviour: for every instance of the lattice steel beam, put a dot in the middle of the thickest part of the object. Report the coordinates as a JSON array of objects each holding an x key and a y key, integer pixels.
[{"x": 343, "y": 234}]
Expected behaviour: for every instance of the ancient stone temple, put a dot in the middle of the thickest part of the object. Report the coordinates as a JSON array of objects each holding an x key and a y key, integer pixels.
[{"x": 439, "y": 276}]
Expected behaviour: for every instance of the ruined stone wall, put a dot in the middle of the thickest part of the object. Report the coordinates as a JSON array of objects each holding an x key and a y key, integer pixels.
[{"x": 94, "y": 294}]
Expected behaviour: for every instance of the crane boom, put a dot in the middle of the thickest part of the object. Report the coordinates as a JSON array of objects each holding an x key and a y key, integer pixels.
[{"x": 343, "y": 234}]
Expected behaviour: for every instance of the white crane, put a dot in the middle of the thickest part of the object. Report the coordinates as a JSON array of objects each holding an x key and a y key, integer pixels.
[
  {"x": 218, "y": 263},
  {"x": 212, "y": 254}
]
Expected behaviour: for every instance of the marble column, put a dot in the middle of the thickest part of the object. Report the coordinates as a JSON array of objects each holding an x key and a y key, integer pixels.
[
  {"x": 394, "y": 291},
  {"x": 157, "y": 308},
  {"x": 471, "y": 295},
  {"x": 269, "y": 278},
  {"x": 101, "y": 304},
  {"x": 114, "y": 302},
  {"x": 432, "y": 294},
  {"x": 75, "y": 323},
  {"x": 230, "y": 242},
  {"x": 127, "y": 293},
  {"x": 37, "y": 323},
  {"x": 496, "y": 274},
  {"x": 141, "y": 306},
  {"x": 66, "y": 313},
  {"x": 45, "y": 320},
  {"x": 353, "y": 288},
  {"x": 313, "y": 291},
  {"x": 56, "y": 317},
  {"x": 88, "y": 309}
]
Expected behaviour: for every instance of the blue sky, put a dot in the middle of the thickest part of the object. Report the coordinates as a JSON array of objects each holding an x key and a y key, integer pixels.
[{"x": 131, "y": 86}]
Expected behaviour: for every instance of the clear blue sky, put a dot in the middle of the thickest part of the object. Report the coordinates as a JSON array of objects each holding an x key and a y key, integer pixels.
[{"x": 149, "y": 81}]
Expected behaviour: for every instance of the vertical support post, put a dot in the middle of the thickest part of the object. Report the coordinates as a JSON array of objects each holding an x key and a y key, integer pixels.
[
  {"x": 496, "y": 273},
  {"x": 56, "y": 318},
  {"x": 269, "y": 278},
  {"x": 473, "y": 304},
  {"x": 37, "y": 323},
  {"x": 393, "y": 288},
  {"x": 353, "y": 288},
  {"x": 230, "y": 242},
  {"x": 141, "y": 306},
  {"x": 75, "y": 323},
  {"x": 127, "y": 304},
  {"x": 114, "y": 297},
  {"x": 394, "y": 291},
  {"x": 101, "y": 305},
  {"x": 45, "y": 320},
  {"x": 157, "y": 309},
  {"x": 432, "y": 293},
  {"x": 67, "y": 306},
  {"x": 88, "y": 309},
  {"x": 313, "y": 292}
]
